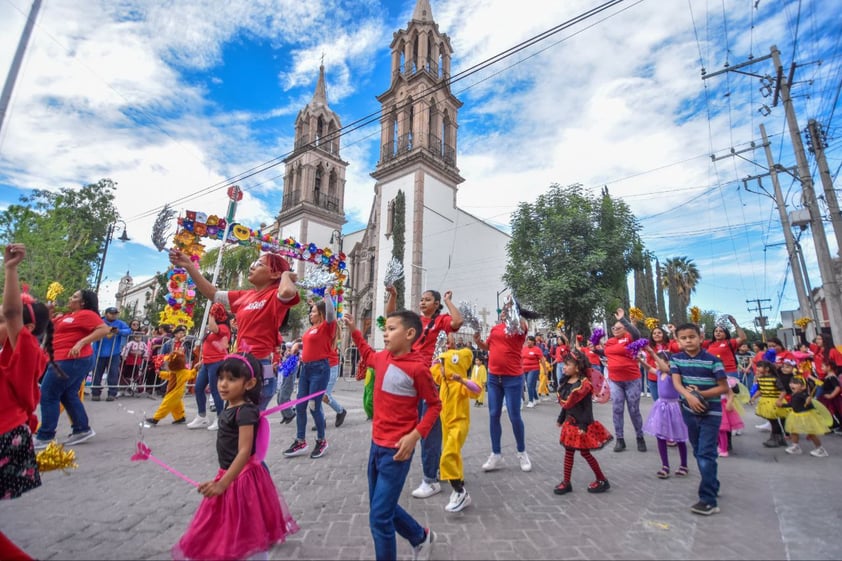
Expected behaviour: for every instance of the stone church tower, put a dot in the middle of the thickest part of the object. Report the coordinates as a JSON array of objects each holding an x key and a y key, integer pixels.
[{"x": 313, "y": 209}]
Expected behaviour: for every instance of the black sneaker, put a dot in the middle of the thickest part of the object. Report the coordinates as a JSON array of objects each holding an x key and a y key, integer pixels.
[
  {"x": 320, "y": 449},
  {"x": 340, "y": 417},
  {"x": 298, "y": 448},
  {"x": 620, "y": 445},
  {"x": 95, "y": 398},
  {"x": 151, "y": 421},
  {"x": 110, "y": 398},
  {"x": 180, "y": 421},
  {"x": 704, "y": 509},
  {"x": 641, "y": 444},
  {"x": 287, "y": 420}
]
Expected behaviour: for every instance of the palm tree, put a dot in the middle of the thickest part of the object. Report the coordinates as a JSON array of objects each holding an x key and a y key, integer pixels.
[{"x": 680, "y": 278}]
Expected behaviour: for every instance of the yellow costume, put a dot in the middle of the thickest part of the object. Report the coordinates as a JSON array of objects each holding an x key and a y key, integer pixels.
[
  {"x": 769, "y": 394},
  {"x": 479, "y": 375},
  {"x": 543, "y": 378},
  {"x": 177, "y": 377},
  {"x": 455, "y": 409}
]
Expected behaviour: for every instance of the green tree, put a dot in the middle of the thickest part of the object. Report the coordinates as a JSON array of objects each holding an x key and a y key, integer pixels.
[
  {"x": 234, "y": 268},
  {"x": 570, "y": 253},
  {"x": 659, "y": 292},
  {"x": 680, "y": 277},
  {"x": 64, "y": 232},
  {"x": 399, "y": 245}
]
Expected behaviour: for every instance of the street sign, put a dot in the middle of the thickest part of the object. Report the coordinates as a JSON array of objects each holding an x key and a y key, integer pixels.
[{"x": 235, "y": 193}]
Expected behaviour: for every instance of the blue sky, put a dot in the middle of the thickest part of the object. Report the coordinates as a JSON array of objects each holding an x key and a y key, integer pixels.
[{"x": 171, "y": 98}]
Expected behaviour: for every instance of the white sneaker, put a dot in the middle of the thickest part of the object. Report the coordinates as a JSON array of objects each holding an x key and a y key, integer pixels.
[
  {"x": 458, "y": 501},
  {"x": 525, "y": 464},
  {"x": 424, "y": 550},
  {"x": 493, "y": 462},
  {"x": 737, "y": 432},
  {"x": 764, "y": 427},
  {"x": 426, "y": 490},
  {"x": 214, "y": 425},
  {"x": 198, "y": 423},
  {"x": 531, "y": 404},
  {"x": 793, "y": 449},
  {"x": 819, "y": 452}
]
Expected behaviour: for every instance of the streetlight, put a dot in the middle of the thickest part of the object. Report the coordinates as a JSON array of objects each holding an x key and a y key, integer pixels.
[{"x": 109, "y": 235}]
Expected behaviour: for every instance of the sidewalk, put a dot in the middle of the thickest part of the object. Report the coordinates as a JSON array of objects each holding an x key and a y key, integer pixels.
[{"x": 774, "y": 506}]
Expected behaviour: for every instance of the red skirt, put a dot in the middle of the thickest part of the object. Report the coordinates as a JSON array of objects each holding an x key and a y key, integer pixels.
[
  {"x": 248, "y": 518},
  {"x": 596, "y": 436}
]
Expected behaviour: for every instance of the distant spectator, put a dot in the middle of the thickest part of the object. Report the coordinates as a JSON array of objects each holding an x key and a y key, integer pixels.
[{"x": 107, "y": 352}]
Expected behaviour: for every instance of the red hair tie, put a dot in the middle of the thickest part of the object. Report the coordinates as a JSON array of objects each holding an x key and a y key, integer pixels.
[{"x": 28, "y": 300}]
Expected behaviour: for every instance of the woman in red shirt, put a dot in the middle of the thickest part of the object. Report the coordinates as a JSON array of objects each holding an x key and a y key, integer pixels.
[
  {"x": 318, "y": 343},
  {"x": 505, "y": 381},
  {"x": 531, "y": 358},
  {"x": 624, "y": 380},
  {"x": 725, "y": 348},
  {"x": 73, "y": 334},
  {"x": 260, "y": 312},
  {"x": 214, "y": 349}
]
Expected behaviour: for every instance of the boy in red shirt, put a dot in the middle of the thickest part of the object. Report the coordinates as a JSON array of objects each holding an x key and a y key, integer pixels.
[{"x": 402, "y": 378}]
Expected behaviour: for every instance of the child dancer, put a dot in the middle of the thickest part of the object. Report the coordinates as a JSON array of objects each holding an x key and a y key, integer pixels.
[
  {"x": 805, "y": 419},
  {"x": 455, "y": 391},
  {"x": 579, "y": 430},
  {"x": 177, "y": 377},
  {"x": 769, "y": 392},
  {"x": 665, "y": 421},
  {"x": 832, "y": 394},
  {"x": 479, "y": 375},
  {"x": 402, "y": 379},
  {"x": 732, "y": 419},
  {"x": 242, "y": 515},
  {"x": 21, "y": 364}
]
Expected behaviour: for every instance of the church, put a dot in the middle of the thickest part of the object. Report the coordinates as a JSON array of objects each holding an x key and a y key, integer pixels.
[{"x": 414, "y": 215}]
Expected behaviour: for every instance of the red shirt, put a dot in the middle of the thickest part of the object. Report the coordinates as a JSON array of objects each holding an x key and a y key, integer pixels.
[
  {"x": 504, "y": 357},
  {"x": 621, "y": 367},
  {"x": 531, "y": 358},
  {"x": 593, "y": 358},
  {"x": 20, "y": 368},
  {"x": 318, "y": 342},
  {"x": 212, "y": 349},
  {"x": 259, "y": 317},
  {"x": 400, "y": 382},
  {"x": 72, "y": 328},
  {"x": 425, "y": 345},
  {"x": 561, "y": 351},
  {"x": 724, "y": 351}
]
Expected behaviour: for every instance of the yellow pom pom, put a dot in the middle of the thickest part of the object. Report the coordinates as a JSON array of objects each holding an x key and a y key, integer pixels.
[
  {"x": 636, "y": 314},
  {"x": 53, "y": 291},
  {"x": 54, "y": 456},
  {"x": 651, "y": 323},
  {"x": 695, "y": 314}
]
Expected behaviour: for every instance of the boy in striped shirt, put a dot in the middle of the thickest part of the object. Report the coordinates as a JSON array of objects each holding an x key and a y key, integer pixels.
[{"x": 697, "y": 373}]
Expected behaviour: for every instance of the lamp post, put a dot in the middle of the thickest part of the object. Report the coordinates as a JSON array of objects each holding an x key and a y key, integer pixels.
[{"x": 109, "y": 235}]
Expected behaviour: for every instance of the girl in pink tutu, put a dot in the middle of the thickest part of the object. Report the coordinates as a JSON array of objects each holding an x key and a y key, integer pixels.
[
  {"x": 242, "y": 515},
  {"x": 579, "y": 430},
  {"x": 665, "y": 421},
  {"x": 732, "y": 418}
]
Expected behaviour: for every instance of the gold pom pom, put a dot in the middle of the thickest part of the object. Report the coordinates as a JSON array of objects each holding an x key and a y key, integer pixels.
[
  {"x": 54, "y": 456},
  {"x": 54, "y": 291},
  {"x": 695, "y": 314},
  {"x": 636, "y": 314},
  {"x": 651, "y": 323},
  {"x": 803, "y": 322}
]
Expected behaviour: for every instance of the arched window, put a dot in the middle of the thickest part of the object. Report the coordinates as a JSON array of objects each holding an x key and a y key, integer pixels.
[
  {"x": 317, "y": 190},
  {"x": 320, "y": 129}
]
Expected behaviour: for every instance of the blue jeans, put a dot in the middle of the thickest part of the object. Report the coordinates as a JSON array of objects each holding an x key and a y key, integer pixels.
[
  {"x": 704, "y": 435},
  {"x": 207, "y": 375},
  {"x": 270, "y": 384},
  {"x": 386, "y": 478},
  {"x": 112, "y": 363},
  {"x": 532, "y": 385},
  {"x": 331, "y": 382},
  {"x": 653, "y": 388},
  {"x": 430, "y": 447},
  {"x": 55, "y": 390},
  {"x": 509, "y": 387},
  {"x": 314, "y": 377}
]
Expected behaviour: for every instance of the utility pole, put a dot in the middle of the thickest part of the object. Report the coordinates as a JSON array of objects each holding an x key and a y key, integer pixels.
[
  {"x": 760, "y": 319},
  {"x": 816, "y": 145},
  {"x": 826, "y": 268},
  {"x": 12, "y": 76},
  {"x": 794, "y": 263}
]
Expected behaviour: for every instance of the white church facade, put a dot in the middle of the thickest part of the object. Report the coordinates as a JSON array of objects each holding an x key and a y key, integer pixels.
[{"x": 445, "y": 248}]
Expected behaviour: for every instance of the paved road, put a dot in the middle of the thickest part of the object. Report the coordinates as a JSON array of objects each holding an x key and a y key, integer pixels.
[{"x": 774, "y": 506}]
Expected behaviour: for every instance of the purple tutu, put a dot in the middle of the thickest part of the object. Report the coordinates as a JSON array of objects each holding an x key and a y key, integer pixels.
[{"x": 665, "y": 421}]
